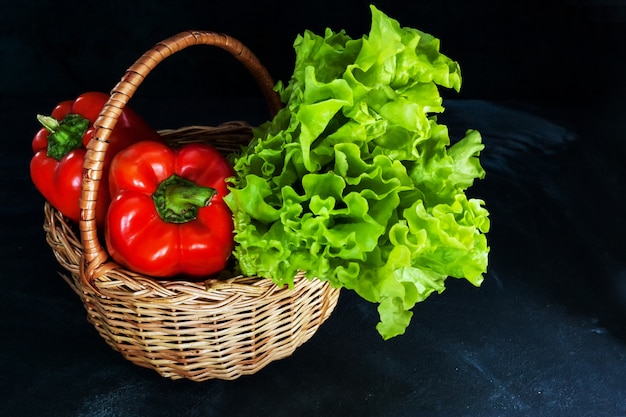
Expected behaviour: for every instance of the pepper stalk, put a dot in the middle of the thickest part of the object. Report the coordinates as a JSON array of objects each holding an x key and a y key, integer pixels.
[
  {"x": 66, "y": 135},
  {"x": 177, "y": 200}
]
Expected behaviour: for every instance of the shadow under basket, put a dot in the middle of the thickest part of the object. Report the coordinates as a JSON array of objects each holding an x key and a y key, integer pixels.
[{"x": 216, "y": 329}]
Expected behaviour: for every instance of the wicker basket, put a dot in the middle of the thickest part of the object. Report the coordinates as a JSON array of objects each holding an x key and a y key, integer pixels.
[{"x": 216, "y": 329}]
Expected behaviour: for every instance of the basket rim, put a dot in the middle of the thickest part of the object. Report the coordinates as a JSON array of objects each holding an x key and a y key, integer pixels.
[
  {"x": 61, "y": 232},
  {"x": 64, "y": 232}
]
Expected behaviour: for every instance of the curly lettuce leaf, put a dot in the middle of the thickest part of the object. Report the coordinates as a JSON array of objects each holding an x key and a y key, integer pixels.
[{"x": 355, "y": 182}]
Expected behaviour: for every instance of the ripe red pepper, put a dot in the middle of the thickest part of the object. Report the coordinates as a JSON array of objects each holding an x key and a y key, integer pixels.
[
  {"x": 59, "y": 150},
  {"x": 167, "y": 215}
]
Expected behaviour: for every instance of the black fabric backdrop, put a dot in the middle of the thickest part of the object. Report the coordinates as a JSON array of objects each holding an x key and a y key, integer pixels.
[
  {"x": 543, "y": 336},
  {"x": 531, "y": 50}
]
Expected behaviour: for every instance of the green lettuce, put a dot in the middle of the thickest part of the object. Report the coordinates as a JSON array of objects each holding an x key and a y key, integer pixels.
[{"x": 355, "y": 182}]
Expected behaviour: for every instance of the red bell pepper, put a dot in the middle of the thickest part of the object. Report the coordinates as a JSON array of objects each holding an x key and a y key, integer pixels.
[
  {"x": 167, "y": 215},
  {"x": 59, "y": 150}
]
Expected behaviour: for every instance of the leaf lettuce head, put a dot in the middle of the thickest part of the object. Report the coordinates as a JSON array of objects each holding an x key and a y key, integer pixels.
[{"x": 355, "y": 182}]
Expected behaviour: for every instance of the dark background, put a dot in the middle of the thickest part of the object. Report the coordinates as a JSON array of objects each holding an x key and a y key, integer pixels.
[
  {"x": 544, "y": 82},
  {"x": 532, "y": 50}
]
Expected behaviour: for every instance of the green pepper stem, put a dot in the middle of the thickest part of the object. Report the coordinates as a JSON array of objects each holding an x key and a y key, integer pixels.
[
  {"x": 64, "y": 136},
  {"x": 177, "y": 200},
  {"x": 50, "y": 123}
]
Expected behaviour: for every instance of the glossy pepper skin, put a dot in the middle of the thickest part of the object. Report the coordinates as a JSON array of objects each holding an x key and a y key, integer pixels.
[
  {"x": 59, "y": 150},
  {"x": 167, "y": 216}
]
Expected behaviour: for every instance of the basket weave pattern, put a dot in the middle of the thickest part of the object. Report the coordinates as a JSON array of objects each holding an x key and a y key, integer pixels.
[{"x": 220, "y": 328}]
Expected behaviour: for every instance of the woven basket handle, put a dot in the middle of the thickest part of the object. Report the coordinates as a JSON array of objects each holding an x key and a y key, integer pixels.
[{"x": 94, "y": 253}]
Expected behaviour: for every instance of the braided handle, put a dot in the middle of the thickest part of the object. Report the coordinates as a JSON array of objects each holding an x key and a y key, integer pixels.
[{"x": 94, "y": 253}]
